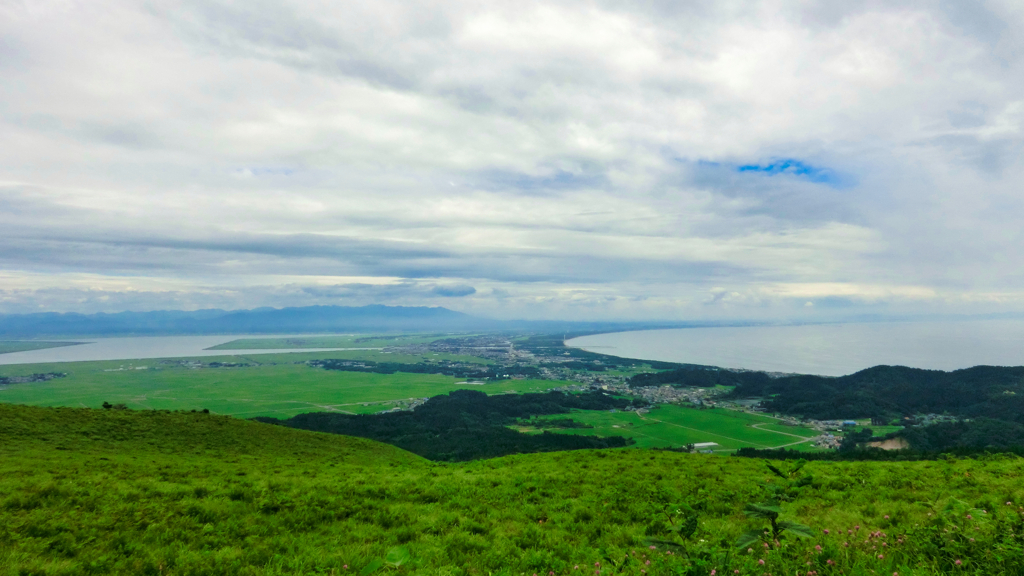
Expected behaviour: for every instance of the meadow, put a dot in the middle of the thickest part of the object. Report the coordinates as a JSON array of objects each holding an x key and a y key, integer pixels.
[
  {"x": 278, "y": 385},
  {"x": 87, "y": 492},
  {"x": 669, "y": 425}
]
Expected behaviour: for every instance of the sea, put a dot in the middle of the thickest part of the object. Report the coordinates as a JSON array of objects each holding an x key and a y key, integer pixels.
[
  {"x": 825, "y": 349},
  {"x": 144, "y": 347}
]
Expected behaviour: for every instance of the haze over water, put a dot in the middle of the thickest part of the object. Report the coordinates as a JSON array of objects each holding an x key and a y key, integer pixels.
[{"x": 825, "y": 349}]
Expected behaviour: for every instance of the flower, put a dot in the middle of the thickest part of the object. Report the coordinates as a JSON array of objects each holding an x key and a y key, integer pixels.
[
  {"x": 958, "y": 562},
  {"x": 735, "y": 571},
  {"x": 880, "y": 556},
  {"x": 969, "y": 517},
  {"x": 576, "y": 567},
  {"x": 648, "y": 563},
  {"x": 750, "y": 550},
  {"x": 345, "y": 567},
  {"x": 761, "y": 561},
  {"x": 886, "y": 516},
  {"x": 653, "y": 547},
  {"x": 713, "y": 572},
  {"x": 818, "y": 547},
  {"x": 826, "y": 530}
]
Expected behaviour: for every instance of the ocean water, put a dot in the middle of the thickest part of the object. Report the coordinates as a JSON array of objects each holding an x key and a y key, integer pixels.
[{"x": 825, "y": 349}]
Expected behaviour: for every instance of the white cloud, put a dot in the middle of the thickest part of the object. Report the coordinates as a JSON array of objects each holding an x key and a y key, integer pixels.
[{"x": 558, "y": 158}]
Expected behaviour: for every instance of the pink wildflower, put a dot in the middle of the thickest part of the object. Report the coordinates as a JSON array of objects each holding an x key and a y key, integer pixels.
[
  {"x": 818, "y": 547},
  {"x": 826, "y": 531},
  {"x": 880, "y": 556},
  {"x": 653, "y": 547},
  {"x": 958, "y": 562},
  {"x": 648, "y": 563},
  {"x": 713, "y": 572},
  {"x": 969, "y": 517},
  {"x": 886, "y": 516},
  {"x": 761, "y": 561}
]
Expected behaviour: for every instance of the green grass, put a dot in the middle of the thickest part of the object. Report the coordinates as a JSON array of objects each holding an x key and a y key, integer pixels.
[
  {"x": 280, "y": 390},
  {"x": 88, "y": 492},
  {"x": 8, "y": 346},
  {"x": 669, "y": 425},
  {"x": 327, "y": 341}
]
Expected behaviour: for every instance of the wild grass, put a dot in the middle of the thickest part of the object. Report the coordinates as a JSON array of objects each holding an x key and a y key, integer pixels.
[{"x": 123, "y": 492}]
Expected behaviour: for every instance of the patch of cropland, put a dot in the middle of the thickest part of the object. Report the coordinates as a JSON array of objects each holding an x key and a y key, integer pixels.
[
  {"x": 457, "y": 369},
  {"x": 279, "y": 385},
  {"x": 468, "y": 425},
  {"x": 670, "y": 426},
  {"x": 149, "y": 492}
]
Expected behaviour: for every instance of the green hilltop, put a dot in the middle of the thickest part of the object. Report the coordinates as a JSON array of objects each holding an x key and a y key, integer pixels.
[{"x": 186, "y": 493}]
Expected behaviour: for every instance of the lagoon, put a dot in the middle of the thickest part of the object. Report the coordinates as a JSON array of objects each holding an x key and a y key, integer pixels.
[
  {"x": 825, "y": 349},
  {"x": 144, "y": 347}
]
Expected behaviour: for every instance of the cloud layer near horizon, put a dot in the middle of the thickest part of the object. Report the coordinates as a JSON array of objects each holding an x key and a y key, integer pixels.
[{"x": 535, "y": 159}]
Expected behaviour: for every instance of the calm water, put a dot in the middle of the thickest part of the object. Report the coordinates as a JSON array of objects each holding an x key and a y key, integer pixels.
[
  {"x": 140, "y": 348},
  {"x": 830, "y": 349}
]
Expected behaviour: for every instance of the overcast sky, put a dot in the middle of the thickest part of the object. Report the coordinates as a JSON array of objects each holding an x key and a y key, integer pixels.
[{"x": 556, "y": 159}]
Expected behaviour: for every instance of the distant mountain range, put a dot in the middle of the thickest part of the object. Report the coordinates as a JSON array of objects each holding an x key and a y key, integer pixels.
[{"x": 310, "y": 319}]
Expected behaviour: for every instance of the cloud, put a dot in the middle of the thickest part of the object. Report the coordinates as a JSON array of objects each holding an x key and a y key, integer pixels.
[
  {"x": 563, "y": 158},
  {"x": 454, "y": 291}
]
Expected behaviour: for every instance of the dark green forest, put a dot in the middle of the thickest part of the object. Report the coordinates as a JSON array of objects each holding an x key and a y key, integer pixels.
[{"x": 468, "y": 424}]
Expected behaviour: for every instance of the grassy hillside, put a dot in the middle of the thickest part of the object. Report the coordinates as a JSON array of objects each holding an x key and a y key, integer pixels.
[{"x": 121, "y": 492}]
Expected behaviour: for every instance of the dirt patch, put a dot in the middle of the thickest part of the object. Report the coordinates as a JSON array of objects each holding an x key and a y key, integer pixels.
[{"x": 891, "y": 444}]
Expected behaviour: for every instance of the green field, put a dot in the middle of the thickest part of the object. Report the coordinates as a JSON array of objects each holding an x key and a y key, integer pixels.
[
  {"x": 326, "y": 341},
  {"x": 674, "y": 426},
  {"x": 8, "y": 346},
  {"x": 91, "y": 492},
  {"x": 278, "y": 386}
]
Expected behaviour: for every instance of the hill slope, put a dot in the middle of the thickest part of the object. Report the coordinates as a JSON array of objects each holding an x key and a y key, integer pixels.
[{"x": 108, "y": 492}]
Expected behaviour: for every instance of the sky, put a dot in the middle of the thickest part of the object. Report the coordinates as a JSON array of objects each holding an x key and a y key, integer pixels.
[{"x": 546, "y": 160}]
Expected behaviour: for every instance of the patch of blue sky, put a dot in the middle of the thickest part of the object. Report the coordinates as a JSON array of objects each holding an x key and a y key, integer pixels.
[{"x": 793, "y": 167}]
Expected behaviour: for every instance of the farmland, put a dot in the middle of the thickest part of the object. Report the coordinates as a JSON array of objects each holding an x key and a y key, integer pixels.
[
  {"x": 279, "y": 385},
  {"x": 675, "y": 426}
]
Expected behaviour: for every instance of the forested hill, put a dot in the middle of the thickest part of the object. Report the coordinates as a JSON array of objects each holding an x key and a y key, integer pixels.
[
  {"x": 882, "y": 391},
  {"x": 467, "y": 424}
]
